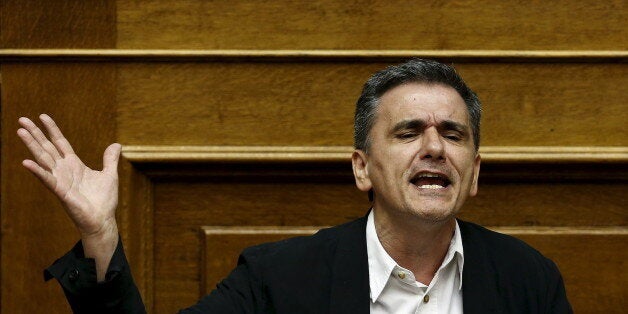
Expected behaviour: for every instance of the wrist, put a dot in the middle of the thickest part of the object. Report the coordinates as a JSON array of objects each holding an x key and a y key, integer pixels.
[{"x": 105, "y": 237}]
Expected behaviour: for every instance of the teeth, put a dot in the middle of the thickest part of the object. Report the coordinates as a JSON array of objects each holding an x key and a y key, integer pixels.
[
  {"x": 430, "y": 186},
  {"x": 429, "y": 175}
]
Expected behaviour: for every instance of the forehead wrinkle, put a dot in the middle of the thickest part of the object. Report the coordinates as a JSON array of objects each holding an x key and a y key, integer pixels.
[{"x": 388, "y": 108}]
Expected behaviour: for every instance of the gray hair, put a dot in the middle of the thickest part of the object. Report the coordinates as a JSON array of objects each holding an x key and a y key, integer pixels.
[{"x": 419, "y": 71}]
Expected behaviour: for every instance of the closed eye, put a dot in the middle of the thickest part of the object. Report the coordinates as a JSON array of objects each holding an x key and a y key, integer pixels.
[
  {"x": 406, "y": 135},
  {"x": 454, "y": 138}
]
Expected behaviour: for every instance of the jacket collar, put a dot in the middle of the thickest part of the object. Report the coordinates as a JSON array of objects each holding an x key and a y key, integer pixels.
[
  {"x": 479, "y": 291},
  {"x": 350, "y": 274},
  {"x": 350, "y": 279}
]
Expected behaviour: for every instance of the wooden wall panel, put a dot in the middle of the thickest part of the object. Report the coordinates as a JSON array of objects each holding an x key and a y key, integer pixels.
[
  {"x": 81, "y": 98},
  {"x": 548, "y": 204},
  {"x": 312, "y": 103},
  {"x": 372, "y": 24},
  {"x": 57, "y": 24},
  {"x": 310, "y": 203},
  {"x": 591, "y": 262},
  {"x": 35, "y": 228}
]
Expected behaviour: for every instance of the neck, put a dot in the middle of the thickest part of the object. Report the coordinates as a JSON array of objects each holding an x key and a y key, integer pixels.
[{"x": 417, "y": 245}]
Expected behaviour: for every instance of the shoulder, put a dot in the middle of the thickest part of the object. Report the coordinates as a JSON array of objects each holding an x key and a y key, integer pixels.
[
  {"x": 321, "y": 245},
  {"x": 526, "y": 280},
  {"x": 306, "y": 262},
  {"x": 505, "y": 252}
]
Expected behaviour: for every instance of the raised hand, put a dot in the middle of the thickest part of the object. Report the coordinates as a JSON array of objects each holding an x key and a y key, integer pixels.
[{"x": 90, "y": 197}]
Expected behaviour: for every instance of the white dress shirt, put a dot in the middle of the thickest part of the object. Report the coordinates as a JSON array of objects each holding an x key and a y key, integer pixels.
[{"x": 394, "y": 289}]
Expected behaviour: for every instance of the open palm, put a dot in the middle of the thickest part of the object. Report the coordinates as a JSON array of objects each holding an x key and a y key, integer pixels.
[{"x": 90, "y": 197}]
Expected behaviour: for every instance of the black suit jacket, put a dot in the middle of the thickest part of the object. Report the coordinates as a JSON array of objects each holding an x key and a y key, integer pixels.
[{"x": 328, "y": 273}]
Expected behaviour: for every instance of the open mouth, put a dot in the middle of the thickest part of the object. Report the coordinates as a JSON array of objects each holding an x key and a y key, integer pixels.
[{"x": 430, "y": 180}]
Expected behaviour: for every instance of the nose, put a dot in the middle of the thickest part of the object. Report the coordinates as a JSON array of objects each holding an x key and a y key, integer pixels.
[{"x": 432, "y": 145}]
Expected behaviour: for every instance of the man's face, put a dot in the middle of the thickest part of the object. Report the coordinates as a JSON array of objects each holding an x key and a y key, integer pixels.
[{"x": 421, "y": 159}]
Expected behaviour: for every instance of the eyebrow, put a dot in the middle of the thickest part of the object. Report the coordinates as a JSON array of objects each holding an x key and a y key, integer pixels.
[
  {"x": 454, "y": 126},
  {"x": 414, "y": 124},
  {"x": 418, "y": 124}
]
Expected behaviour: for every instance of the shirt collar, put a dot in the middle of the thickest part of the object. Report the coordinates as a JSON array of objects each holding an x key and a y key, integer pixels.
[
  {"x": 456, "y": 248},
  {"x": 381, "y": 264}
]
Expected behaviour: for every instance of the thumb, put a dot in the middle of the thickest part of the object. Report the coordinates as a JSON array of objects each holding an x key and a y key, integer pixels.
[{"x": 110, "y": 158}]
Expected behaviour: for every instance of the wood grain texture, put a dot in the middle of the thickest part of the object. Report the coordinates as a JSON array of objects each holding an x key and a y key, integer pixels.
[
  {"x": 335, "y": 154},
  {"x": 296, "y": 104},
  {"x": 35, "y": 228},
  {"x": 592, "y": 267},
  {"x": 575, "y": 251},
  {"x": 135, "y": 221},
  {"x": 80, "y": 97},
  {"x": 392, "y": 56},
  {"x": 368, "y": 24},
  {"x": 57, "y": 24}
]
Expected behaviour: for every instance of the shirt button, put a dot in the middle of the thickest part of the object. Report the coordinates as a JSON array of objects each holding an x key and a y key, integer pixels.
[
  {"x": 426, "y": 298},
  {"x": 401, "y": 275},
  {"x": 74, "y": 274}
]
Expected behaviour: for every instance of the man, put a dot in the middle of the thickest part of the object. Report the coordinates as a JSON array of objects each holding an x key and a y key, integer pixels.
[{"x": 416, "y": 154}]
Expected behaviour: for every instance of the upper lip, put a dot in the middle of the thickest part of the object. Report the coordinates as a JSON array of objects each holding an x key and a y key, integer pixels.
[{"x": 430, "y": 173}]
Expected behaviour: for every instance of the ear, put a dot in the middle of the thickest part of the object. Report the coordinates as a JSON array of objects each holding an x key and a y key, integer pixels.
[
  {"x": 476, "y": 173},
  {"x": 359, "y": 161}
]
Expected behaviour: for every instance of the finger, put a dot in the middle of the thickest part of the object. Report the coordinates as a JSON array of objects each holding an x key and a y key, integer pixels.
[
  {"x": 43, "y": 175},
  {"x": 42, "y": 156},
  {"x": 110, "y": 159},
  {"x": 39, "y": 136},
  {"x": 59, "y": 141}
]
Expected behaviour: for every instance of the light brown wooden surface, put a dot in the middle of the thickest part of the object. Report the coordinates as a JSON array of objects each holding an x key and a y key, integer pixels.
[
  {"x": 231, "y": 104},
  {"x": 57, "y": 24},
  {"x": 35, "y": 229},
  {"x": 380, "y": 24},
  {"x": 551, "y": 76},
  {"x": 600, "y": 258}
]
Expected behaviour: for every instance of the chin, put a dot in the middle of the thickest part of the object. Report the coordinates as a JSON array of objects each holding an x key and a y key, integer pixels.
[{"x": 434, "y": 216}]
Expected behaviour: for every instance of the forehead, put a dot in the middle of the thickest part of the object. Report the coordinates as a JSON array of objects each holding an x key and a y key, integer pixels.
[{"x": 428, "y": 102}]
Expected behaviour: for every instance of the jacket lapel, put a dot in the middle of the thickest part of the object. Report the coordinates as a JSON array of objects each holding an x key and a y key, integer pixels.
[
  {"x": 479, "y": 291},
  {"x": 350, "y": 277},
  {"x": 350, "y": 280}
]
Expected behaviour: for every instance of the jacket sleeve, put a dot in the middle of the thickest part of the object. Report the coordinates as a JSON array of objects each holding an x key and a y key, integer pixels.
[
  {"x": 240, "y": 292},
  {"x": 77, "y": 276},
  {"x": 557, "y": 296}
]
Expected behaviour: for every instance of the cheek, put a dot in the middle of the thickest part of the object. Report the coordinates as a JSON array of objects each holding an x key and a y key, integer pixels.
[
  {"x": 390, "y": 166},
  {"x": 466, "y": 167}
]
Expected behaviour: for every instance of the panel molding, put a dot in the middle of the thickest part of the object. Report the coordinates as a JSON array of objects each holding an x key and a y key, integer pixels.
[
  {"x": 148, "y": 55},
  {"x": 135, "y": 218},
  {"x": 490, "y": 154}
]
